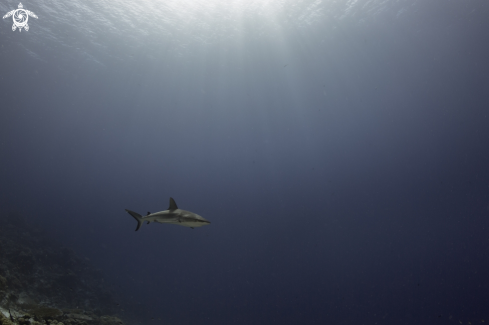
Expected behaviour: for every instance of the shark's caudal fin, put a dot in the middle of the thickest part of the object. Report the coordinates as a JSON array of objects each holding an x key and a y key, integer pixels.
[{"x": 138, "y": 218}]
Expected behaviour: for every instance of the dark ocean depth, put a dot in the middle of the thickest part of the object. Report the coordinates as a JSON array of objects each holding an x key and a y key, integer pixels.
[{"x": 340, "y": 150}]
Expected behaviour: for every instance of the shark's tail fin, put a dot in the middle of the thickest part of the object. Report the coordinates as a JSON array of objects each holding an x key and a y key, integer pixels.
[{"x": 138, "y": 218}]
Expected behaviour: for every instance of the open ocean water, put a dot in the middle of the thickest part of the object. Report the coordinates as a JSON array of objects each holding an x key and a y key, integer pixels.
[{"x": 340, "y": 150}]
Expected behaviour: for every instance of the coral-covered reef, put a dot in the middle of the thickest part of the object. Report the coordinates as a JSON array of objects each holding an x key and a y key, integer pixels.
[{"x": 42, "y": 282}]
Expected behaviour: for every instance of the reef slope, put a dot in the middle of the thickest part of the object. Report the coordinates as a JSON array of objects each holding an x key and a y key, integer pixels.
[{"x": 42, "y": 282}]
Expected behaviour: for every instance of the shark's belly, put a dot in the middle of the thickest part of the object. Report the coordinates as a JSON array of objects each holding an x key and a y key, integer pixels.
[
  {"x": 167, "y": 220},
  {"x": 181, "y": 218},
  {"x": 182, "y": 222},
  {"x": 192, "y": 224}
]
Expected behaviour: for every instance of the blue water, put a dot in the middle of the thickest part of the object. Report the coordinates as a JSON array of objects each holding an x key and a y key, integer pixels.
[{"x": 340, "y": 150}]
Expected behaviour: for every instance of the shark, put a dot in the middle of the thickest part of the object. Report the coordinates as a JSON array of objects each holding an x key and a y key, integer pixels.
[{"x": 173, "y": 215}]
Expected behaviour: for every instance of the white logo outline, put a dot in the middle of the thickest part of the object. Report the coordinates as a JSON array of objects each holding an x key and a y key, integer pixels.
[{"x": 20, "y": 17}]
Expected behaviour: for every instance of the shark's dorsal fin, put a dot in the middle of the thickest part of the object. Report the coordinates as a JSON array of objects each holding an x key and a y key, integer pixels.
[{"x": 173, "y": 205}]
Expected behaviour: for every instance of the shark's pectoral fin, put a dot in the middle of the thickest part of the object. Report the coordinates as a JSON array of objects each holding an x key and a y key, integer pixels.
[{"x": 173, "y": 205}]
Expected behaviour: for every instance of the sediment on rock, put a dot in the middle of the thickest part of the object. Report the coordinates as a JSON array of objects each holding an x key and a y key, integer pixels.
[{"x": 4, "y": 320}]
